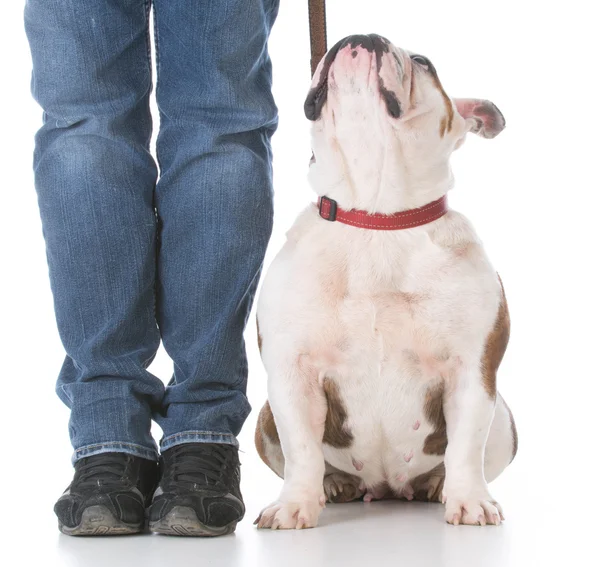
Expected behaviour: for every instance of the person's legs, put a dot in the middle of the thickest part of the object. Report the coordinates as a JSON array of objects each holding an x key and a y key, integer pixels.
[
  {"x": 214, "y": 203},
  {"x": 95, "y": 180}
]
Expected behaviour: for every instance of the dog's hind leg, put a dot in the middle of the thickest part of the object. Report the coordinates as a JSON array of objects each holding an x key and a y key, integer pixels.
[
  {"x": 341, "y": 487},
  {"x": 500, "y": 450},
  {"x": 338, "y": 486},
  {"x": 502, "y": 441},
  {"x": 267, "y": 442},
  {"x": 428, "y": 486},
  {"x": 299, "y": 406}
]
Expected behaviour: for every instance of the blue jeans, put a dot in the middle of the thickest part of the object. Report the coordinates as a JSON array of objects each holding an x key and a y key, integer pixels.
[{"x": 133, "y": 257}]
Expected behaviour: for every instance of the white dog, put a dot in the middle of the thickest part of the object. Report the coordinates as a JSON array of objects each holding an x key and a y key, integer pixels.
[{"x": 382, "y": 320}]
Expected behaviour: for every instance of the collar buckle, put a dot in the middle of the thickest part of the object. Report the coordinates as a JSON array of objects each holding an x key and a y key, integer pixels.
[{"x": 327, "y": 208}]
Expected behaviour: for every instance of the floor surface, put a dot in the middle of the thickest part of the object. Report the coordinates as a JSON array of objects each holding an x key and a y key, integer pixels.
[{"x": 540, "y": 529}]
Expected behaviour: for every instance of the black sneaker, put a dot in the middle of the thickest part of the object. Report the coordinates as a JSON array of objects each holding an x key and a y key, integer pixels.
[
  {"x": 199, "y": 491},
  {"x": 108, "y": 495}
]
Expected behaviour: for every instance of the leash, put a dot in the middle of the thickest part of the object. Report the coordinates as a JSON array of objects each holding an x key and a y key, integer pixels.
[{"x": 318, "y": 32}]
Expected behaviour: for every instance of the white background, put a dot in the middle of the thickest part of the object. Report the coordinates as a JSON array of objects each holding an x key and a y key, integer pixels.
[{"x": 532, "y": 193}]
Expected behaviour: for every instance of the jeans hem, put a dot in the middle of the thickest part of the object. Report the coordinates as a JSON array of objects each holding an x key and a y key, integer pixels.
[
  {"x": 115, "y": 447},
  {"x": 198, "y": 437}
]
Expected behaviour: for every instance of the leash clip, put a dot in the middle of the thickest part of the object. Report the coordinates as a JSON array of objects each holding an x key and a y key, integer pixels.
[{"x": 327, "y": 208}]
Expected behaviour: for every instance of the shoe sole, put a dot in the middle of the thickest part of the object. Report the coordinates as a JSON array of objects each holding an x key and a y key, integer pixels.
[
  {"x": 182, "y": 521},
  {"x": 98, "y": 521}
]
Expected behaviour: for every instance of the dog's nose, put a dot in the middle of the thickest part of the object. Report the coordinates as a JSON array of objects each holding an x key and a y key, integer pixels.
[
  {"x": 354, "y": 41},
  {"x": 372, "y": 42}
]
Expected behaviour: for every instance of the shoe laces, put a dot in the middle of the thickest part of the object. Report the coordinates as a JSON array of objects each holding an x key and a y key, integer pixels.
[
  {"x": 202, "y": 463},
  {"x": 107, "y": 469}
]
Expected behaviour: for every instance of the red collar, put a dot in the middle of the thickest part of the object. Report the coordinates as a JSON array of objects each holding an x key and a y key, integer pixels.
[{"x": 329, "y": 210}]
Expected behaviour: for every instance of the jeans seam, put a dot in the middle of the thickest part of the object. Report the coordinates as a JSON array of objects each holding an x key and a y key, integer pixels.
[
  {"x": 198, "y": 437},
  {"x": 110, "y": 443},
  {"x": 114, "y": 446},
  {"x": 64, "y": 390},
  {"x": 191, "y": 433}
]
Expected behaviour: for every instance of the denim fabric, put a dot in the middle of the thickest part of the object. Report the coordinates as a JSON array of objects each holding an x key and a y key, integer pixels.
[{"x": 133, "y": 257}]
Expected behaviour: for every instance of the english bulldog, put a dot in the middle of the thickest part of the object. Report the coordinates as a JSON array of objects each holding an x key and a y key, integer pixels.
[{"x": 382, "y": 322}]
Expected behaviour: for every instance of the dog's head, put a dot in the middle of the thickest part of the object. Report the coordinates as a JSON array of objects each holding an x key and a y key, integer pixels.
[{"x": 383, "y": 126}]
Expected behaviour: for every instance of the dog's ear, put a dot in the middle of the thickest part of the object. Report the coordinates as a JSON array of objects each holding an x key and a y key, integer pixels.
[
  {"x": 483, "y": 116},
  {"x": 315, "y": 100},
  {"x": 317, "y": 95}
]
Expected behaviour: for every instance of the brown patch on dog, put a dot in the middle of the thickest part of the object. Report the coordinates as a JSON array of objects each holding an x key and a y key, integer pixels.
[
  {"x": 443, "y": 126},
  {"x": 336, "y": 433},
  {"x": 265, "y": 426},
  {"x": 495, "y": 346},
  {"x": 266, "y": 430},
  {"x": 437, "y": 441},
  {"x": 411, "y": 96},
  {"x": 428, "y": 486},
  {"x": 259, "y": 443},
  {"x": 259, "y": 337},
  {"x": 447, "y": 104},
  {"x": 268, "y": 423}
]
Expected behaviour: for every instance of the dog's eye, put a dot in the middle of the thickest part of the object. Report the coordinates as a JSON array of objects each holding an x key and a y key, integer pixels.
[{"x": 421, "y": 60}]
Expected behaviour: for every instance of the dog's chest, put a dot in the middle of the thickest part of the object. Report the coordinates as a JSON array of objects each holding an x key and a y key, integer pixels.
[
  {"x": 394, "y": 330},
  {"x": 388, "y": 361},
  {"x": 395, "y": 344},
  {"x": 388, "y": 318}
]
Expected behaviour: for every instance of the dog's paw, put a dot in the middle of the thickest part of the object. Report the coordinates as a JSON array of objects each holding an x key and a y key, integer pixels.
[
  {"x": 341, "y": 487},
  {"x": 474, "y": 509},
  {"x": 291, "y": 515}
]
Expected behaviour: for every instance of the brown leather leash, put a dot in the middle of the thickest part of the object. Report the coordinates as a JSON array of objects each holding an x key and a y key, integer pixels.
[{"x": 318, "y": 32}]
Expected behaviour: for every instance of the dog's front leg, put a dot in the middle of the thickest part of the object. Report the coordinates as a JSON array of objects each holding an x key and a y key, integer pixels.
[
  {"x": 469, "y": 410},
  {"x": 299, "y": 407}
]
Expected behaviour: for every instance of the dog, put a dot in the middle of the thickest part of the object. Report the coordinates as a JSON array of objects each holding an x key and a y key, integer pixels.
[{"x": 382, "y": 322}]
